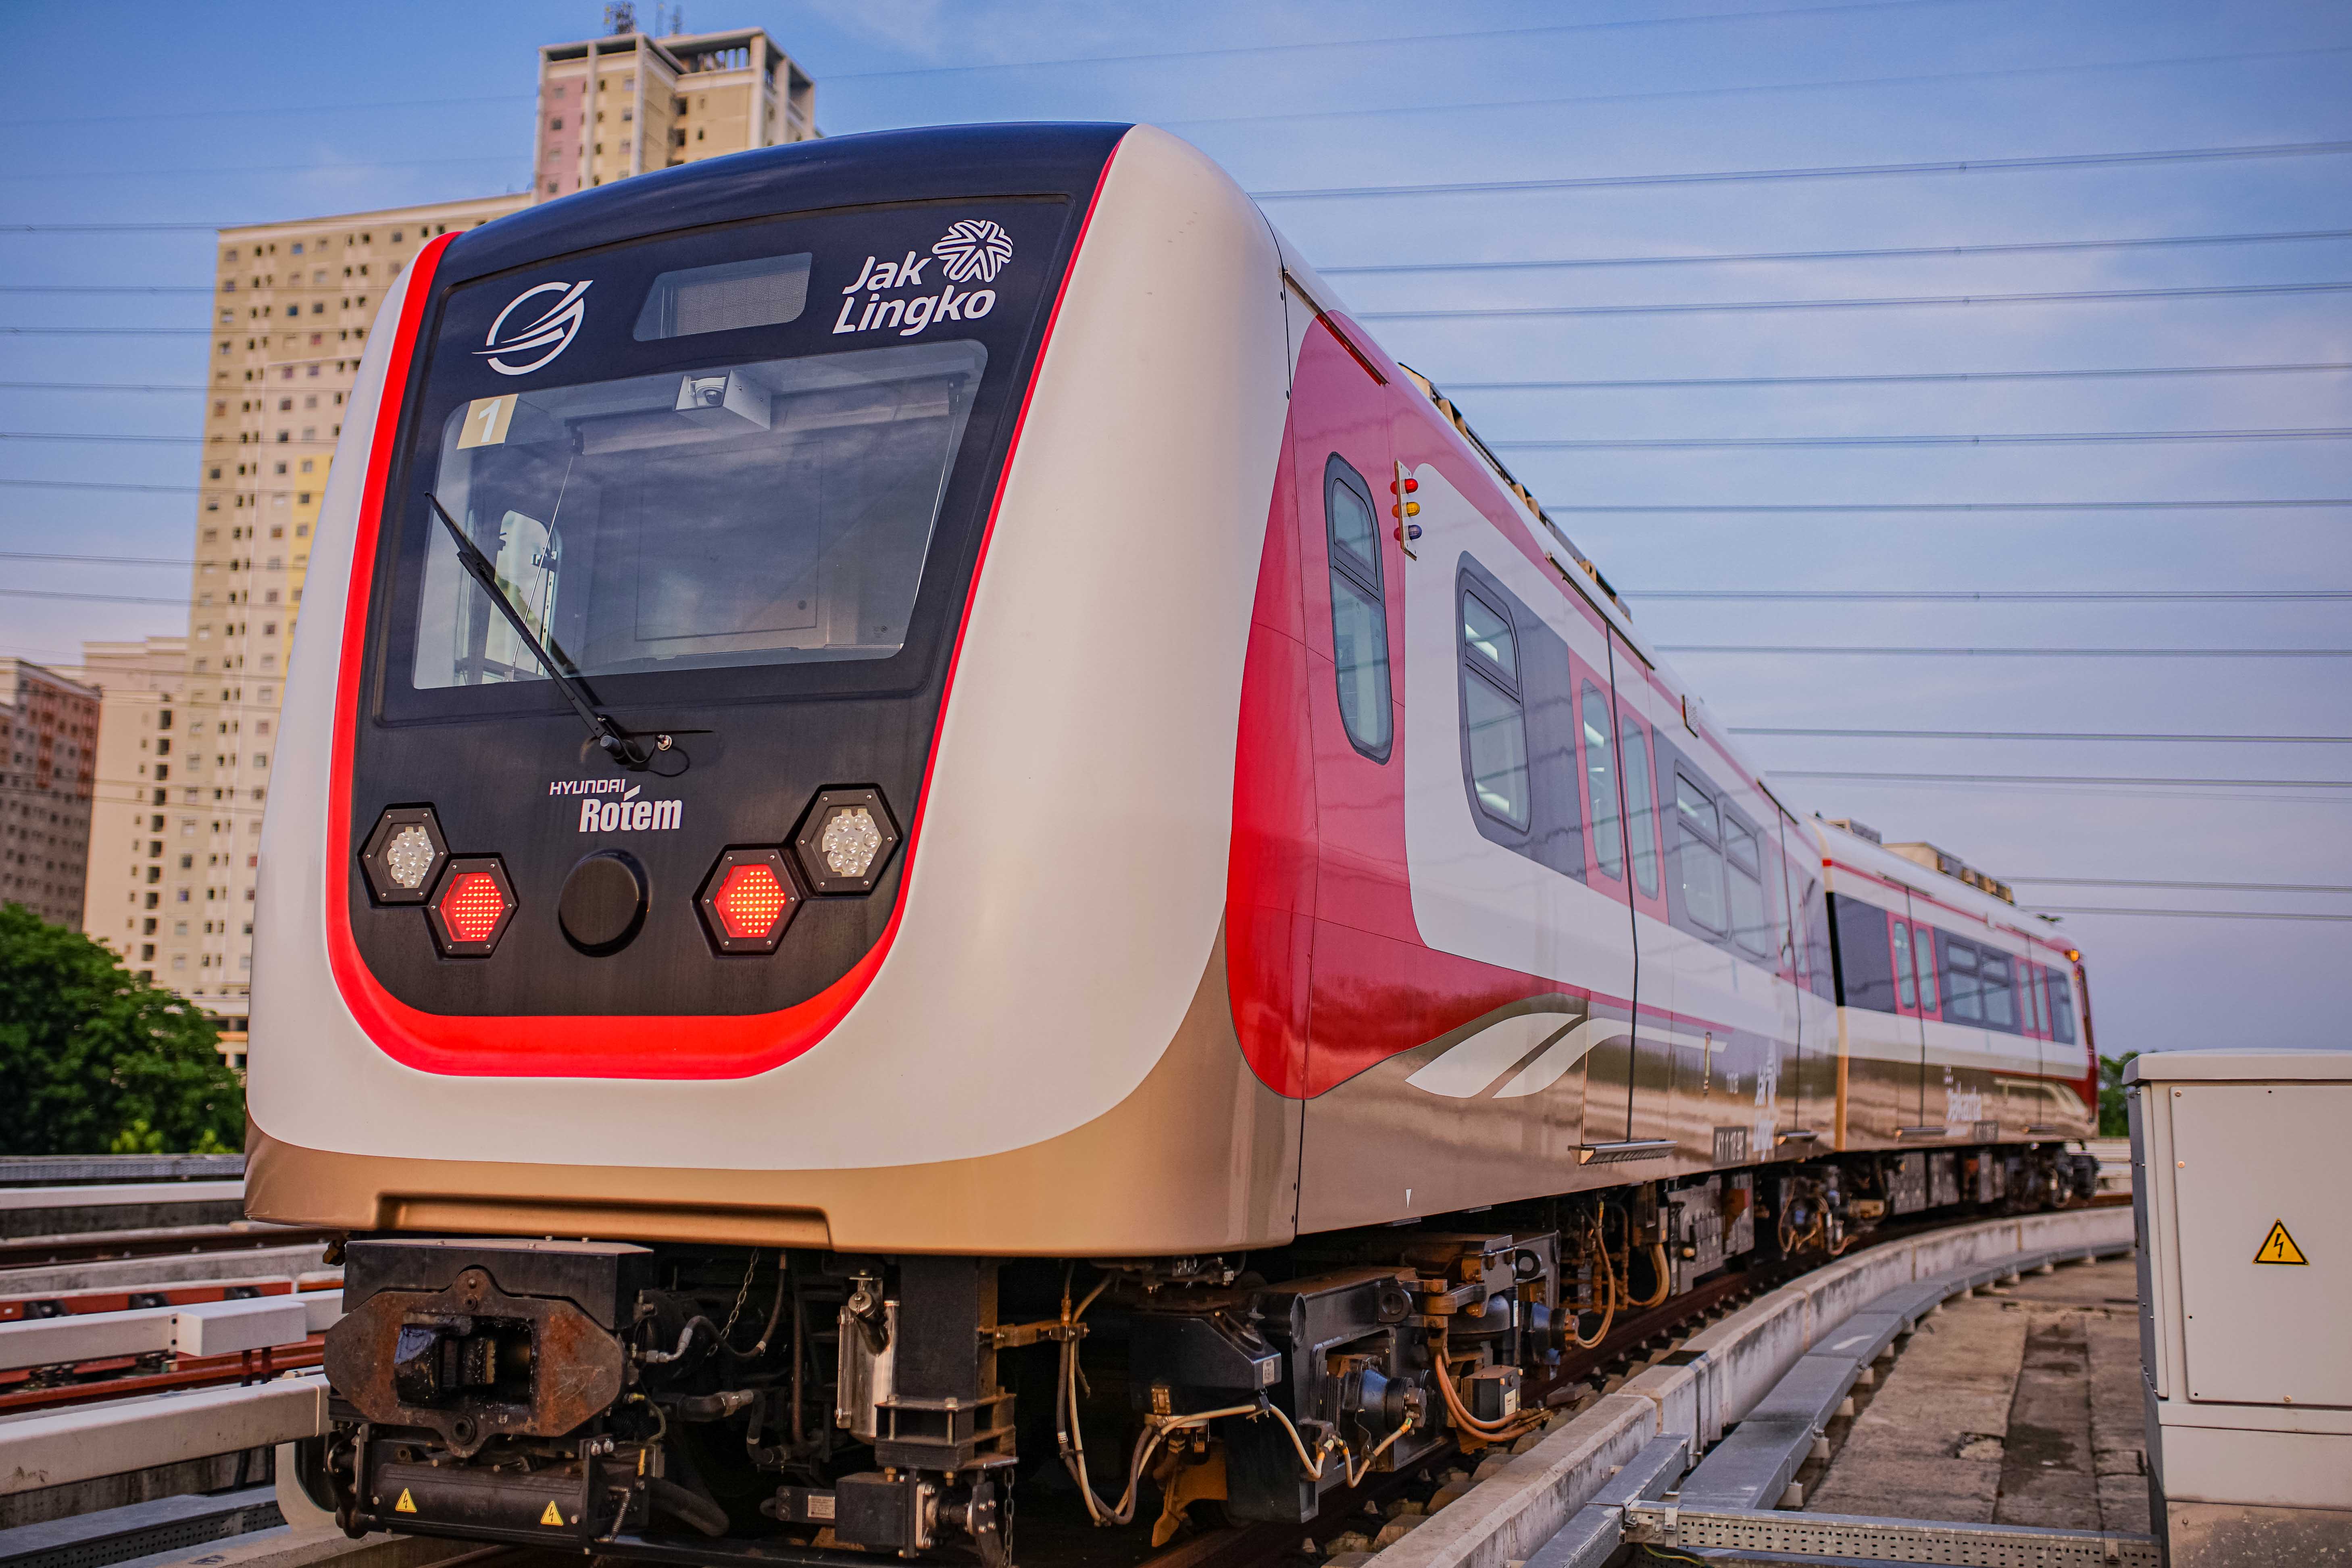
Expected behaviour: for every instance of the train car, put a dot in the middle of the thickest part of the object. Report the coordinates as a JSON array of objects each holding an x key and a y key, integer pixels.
[{"x": 929, "y": 813}]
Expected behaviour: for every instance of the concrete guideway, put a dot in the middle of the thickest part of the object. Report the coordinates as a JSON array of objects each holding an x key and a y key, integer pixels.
[
  {"x": 301, "y": 1262},
  {"x": 200, "y": 1328},
  {"x": 1667, "y": 1416},
  {"x": 86, "y": 1441}
]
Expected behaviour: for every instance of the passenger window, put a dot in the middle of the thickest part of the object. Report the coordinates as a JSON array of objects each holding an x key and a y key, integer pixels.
[
  {"x": 2062, "y": 1008},
  {"x": 1963, "y": 998},
  {"x": 1922, "y": 959},
  {"x": 1906, "y": 990},
  {"x": 1491, "y": 712},
  {"x": 1360, "y": 624},
  {"x": 2000, "y": 1002},
  {"x": 1600, "y": 775},
  {"x": 1750, "y": 927},
  {"x": 1698, "y": 863},
  {"x": 2029, "y": 996},
  {"x": 1486, "y": 631},
  {"x": 1641, "y": 803}
]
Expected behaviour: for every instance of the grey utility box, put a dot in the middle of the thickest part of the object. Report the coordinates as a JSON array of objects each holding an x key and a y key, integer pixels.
[{"x": 2242, "y": 1189}]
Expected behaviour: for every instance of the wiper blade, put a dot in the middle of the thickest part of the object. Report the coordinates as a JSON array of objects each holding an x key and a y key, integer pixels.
[{"x": 607, "y": 734}]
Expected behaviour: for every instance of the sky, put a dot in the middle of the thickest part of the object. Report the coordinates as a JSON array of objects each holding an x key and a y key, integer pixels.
[{"x": 241, "y": 113}]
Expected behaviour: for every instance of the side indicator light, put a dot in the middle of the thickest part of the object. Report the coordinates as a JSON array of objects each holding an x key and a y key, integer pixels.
[
  {"x": 473, "y": 908},
  {"x": 845, "y": 840},
  {"x": 748, "y": 901}
]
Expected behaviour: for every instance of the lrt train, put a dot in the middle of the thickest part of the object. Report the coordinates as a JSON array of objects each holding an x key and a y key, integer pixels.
[{"x": 934, "y": 832}]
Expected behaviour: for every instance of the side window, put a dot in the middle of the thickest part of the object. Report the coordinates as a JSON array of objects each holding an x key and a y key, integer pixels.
[
  {"x": 1492, "y": 710},
  {"x": 1923, "y": 958},
  {"x": 1600, "y": 777},
  {"x": 2030, "y": 996},
  {"x": 1641, "y": 803},
  {"x": 2062, "y": 1008},
  {"x": 1963, "y": 990},
  {"x": 1750, "y": 927},
  {"x": 1865, "y": 963},
  {"x": 1698, "y": 859},
  {"x": 1999, "y": 1001},
  {"x": 1360, "y": 622},
  {"x": 1906, "y": 990}
]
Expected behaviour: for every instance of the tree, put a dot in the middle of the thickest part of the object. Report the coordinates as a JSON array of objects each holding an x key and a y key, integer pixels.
[
  {"x": 96, "y": 1060},
  {"x": 2114, "y": 1121}
]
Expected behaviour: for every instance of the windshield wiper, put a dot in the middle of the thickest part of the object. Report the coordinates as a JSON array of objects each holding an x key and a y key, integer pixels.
[{"x": 616, "y": 741}]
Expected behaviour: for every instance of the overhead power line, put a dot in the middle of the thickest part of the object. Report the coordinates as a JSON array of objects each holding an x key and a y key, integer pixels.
[
  {"x": 2021, "y": 595},
  {"x": 2134, "y": 779},
  {"x": 1325, "y": 44},
  {"x": 2016, "y": 247},
  {"x": 80, "y": 175},
  {"x": 95, "y": 485},
  {"x": 2191, "y": 914},
  {"x": 2229, "y": 887},
  {"x": 1831, "y": 84},
  {"x": 1798, "y": 508},
  {"x": 2018, "y": 652},
  {"x": 1817, "y": 171},
  {"x": 101, "y": 386},
  {"x": 110, "y": 331},
  {"x": 1908, "y": 379},
  {"x": 90, "y": 598},
  {"x": 92, "y": 436},
  {"x": 1895, "y": 302},
  {"x": 1728, "y": 443},
  {"x": 110, "y": 228},
  {"x": 250, "y": 113},
  {"x": 2038, "y": 735},
  {"x": 96, "y": 559}
]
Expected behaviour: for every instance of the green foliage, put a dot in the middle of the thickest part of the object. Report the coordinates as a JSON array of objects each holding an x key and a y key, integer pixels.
[
  {"x": 2112, "y": 1121},
  {"x": 94, "y": 1060}
]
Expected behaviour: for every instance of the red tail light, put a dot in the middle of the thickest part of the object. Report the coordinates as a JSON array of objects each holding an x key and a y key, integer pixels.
[
  {"x": 472, "y": 908},
  {"x": 748, "y": 901}
]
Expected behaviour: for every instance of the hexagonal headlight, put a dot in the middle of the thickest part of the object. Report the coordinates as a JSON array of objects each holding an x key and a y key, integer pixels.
[
  {"x": 845, "y": 841},
  {"x": 404, "y": 855}
]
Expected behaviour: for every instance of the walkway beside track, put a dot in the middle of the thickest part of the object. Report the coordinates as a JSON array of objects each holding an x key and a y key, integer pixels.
[
  {"x": 2020, "y": 1405},
  {"x": 1772, "y": 1376}
]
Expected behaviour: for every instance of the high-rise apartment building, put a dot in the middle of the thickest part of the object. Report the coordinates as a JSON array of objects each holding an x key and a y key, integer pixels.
[
  {"x": 134, "y": 835},
  {"x": 291, "y": 308},
  {"x": 49, "y": 761},
  {"x": 613, "y": 107},
  {"x": 292, "y": 305}
]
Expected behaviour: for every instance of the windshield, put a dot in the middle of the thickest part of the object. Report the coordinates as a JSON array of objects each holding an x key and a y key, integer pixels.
[{"x": 774, "y": 512}]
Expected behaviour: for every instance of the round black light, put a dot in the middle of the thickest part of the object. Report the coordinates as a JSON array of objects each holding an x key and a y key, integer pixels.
[{"x": 602, "y": 902}]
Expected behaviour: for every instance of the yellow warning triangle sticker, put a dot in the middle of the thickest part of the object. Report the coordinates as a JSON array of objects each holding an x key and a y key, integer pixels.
[
  {"x": 554, "y": 1515},
  {"x": 2278, "y": 1247},
  {"x": 406, "y": 1504}
]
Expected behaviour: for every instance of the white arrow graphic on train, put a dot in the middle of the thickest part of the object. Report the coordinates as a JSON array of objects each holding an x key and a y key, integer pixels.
[{"x": 1470, "y": 1067}]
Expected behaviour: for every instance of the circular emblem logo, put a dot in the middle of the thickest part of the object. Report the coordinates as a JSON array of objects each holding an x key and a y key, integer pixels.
[
  {"x": 518, "y": 352},
  {"x": 973, "y": 248}
]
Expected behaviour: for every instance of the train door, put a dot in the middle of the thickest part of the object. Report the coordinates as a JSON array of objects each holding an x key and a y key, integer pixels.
[
  {"x": 1907, "y": 933},
  {"x": 1618, "y": 859},
  {"x": 1351, "y": 578},
  {"x": 1784, "y": 885},
  {"x": 1808, "y": 1102},
  {"x": 1648, "y": 1064}
]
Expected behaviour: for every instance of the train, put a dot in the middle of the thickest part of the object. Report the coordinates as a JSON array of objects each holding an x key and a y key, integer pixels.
[{"x": 934, "y": 832}]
